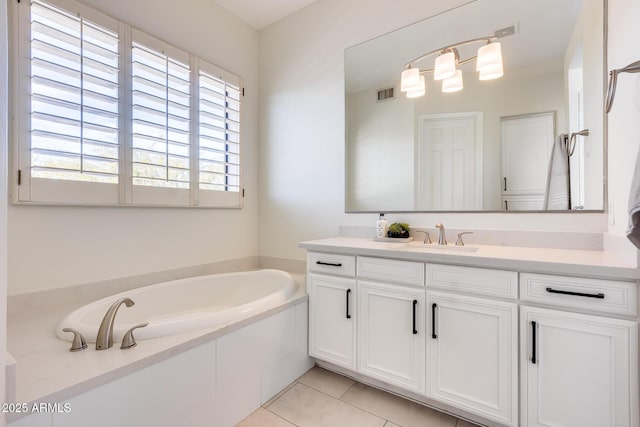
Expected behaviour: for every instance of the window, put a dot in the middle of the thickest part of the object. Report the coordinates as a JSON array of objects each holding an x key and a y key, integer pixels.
[{"x": 111, "y": 115}]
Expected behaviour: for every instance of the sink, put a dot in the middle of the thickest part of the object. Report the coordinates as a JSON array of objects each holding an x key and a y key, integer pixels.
[{"x": 421, "y": 247}]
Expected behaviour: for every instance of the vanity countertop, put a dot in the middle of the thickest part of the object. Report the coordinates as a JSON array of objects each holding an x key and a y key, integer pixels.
[{"x": 597, "y": 264}]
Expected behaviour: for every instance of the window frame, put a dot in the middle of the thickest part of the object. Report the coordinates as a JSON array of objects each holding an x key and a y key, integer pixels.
[{"x": 28, "y": 190}]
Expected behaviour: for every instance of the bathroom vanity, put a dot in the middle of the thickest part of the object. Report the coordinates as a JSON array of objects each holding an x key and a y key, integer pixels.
[{"x": 503, "y": 336}]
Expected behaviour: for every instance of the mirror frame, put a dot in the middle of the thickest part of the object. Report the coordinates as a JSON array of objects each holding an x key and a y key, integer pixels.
[{"x": 605, "y": 136}]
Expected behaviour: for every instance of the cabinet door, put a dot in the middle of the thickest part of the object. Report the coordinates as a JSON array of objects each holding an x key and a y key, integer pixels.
[
  {"x": 577, "y": 370},
  {"x": 391, "y": 335},
  {"x": 472, "y": 350},
  {"x": 332, "y": 319}
]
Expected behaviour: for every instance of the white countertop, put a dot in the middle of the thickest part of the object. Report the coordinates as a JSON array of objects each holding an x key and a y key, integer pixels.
[
  {"x": 48, "y": 372},
  {"x": 598, "y": 264}
]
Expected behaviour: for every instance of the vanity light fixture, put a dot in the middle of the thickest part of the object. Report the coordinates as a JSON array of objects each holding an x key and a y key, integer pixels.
[{"x": 448, "y": 63}]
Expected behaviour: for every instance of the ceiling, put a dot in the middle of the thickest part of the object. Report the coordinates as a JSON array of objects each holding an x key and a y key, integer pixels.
[{"x": 262, "y": 13}]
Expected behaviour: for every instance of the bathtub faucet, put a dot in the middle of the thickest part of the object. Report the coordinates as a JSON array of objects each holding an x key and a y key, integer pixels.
[{"x": 105, "y": 333}]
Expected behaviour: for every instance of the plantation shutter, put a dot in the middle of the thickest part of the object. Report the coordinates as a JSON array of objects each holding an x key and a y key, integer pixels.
[
  {"x": 161, "y": 114},
  {"x": 219, "y": 138},
  {"x": 73, "y": 107}
]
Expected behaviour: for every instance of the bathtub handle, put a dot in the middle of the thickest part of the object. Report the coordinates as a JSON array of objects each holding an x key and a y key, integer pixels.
[
  {"x": 79, "y": 343},
  {"x": 348, "y": 292},
  {"x": 128, "y": 341}
]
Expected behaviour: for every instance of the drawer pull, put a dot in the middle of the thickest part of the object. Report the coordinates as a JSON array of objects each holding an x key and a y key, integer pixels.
[
  {"x": 337, "y": 264},
  {"x": 433, "y": 320},
  {"x": 415, "y": 303},
  {"x": 533, "y": 342},
  {"x": 578, "y": 294},
  {"x": 348, "y": 292}
]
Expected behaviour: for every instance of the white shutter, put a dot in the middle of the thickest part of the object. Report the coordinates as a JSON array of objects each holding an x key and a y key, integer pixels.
[
  {"x": 219, "y": 137},
  {"x": 73, "y": 119},
  {"x": 160, "y": 122}
]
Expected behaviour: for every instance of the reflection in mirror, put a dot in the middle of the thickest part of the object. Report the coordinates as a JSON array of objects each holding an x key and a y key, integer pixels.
[{"x": 486, "y": 147}]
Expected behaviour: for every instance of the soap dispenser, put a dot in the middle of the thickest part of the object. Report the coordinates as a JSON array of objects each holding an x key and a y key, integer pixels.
[{"x": 381, "y": 227}]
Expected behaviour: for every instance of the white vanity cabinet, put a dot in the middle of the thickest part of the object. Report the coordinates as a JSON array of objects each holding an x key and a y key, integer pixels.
[
  {"x": 578, "y": 369},
  {"x": 332, "y": 325},
  {"x": 391, "y": 335},
  {"x": 496, "y": 345},
  {"x": 472, "y": 350},
  {"x": 472, "y": 343}
]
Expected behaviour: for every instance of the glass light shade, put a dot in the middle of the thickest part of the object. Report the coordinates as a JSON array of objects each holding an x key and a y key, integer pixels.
[
  {"x": 490, "y": 73},
  {"x": 453, "y": 84},
  {"x": 410, "y": 79},
  {"x": 445, "y": 66},
  {"x": 489, "y": 56},
  {"x": 419, "y": 91}
]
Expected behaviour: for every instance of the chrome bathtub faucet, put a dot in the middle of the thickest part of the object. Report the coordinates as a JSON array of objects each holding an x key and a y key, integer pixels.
[{"x": 104, "y": 339}]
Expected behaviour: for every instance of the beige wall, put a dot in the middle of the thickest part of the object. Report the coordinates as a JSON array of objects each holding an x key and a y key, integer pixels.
[
  {"x": 3, "y": 197},
  {"x": 623, "y": 120},
  {"x": 51, "y": 247}
]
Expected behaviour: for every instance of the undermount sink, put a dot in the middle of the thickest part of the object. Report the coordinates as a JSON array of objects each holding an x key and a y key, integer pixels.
[{"x": 419, "y": 246}]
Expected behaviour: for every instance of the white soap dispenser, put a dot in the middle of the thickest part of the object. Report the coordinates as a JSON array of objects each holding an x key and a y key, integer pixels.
[{"x": 381, "y": 227}]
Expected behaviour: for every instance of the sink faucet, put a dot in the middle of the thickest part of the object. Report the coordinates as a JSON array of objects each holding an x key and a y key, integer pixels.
[
  {"x": 442, "y": 239},
  {"x": 105, "y": 333}
]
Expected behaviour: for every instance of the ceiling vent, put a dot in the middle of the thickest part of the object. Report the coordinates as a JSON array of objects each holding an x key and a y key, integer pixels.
[{"x": 386, "y": 94}]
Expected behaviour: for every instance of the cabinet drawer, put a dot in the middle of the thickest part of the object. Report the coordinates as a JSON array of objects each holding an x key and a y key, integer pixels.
[
  {"x": 391, "y": 270},
  {"x": 478, "y": 281},
  {"x": 607, "y": 296},
  {"x": 339, "y": 265}
]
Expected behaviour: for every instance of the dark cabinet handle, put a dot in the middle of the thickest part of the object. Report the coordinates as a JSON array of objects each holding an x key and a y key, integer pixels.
[
  {"x": 415, "y": 303},
  {"x": 433, "y": 320},
  {"x": 505, "y": 183},
  {"x": 348, "y": 292},
  {"x": 578, "y": 294},
  {"x": 338, "y": 264},
  {"x": 533, "y": 342},
  {"x": 506, "y": 205}
]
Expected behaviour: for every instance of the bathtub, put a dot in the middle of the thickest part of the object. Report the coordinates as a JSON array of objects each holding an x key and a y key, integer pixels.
[{"x": 185, "y": 305}]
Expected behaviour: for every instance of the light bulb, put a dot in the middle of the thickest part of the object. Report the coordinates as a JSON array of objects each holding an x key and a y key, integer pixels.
[
  {"x": 419, "y": 91},
  {"x": 453, "y": 84},
  {"x": 410, "y": 79},
  {"x": 489, "y": 57}
]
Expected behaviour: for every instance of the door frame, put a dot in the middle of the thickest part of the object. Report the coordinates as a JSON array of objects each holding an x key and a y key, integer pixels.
[{"x": 477, "y": 117}]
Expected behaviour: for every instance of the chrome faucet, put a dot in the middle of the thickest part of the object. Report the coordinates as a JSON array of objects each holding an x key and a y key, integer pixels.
[
  {"x": 105, "y": 333},
  {"x": 442, "y": 239}
]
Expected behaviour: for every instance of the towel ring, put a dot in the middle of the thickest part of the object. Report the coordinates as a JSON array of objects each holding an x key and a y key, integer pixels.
[
  {"x": 634, "y": 67},
  {"x": 571, "y": 146}
]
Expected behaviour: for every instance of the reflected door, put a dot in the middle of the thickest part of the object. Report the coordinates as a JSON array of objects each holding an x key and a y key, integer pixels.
[{"x": 449, "y": 162}]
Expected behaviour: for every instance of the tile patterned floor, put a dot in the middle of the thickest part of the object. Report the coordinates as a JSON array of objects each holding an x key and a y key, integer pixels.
[{"x": 322, "y": 398}]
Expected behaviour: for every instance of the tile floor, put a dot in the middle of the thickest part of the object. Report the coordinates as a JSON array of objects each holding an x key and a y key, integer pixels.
[{"x": 322, "y": 398}]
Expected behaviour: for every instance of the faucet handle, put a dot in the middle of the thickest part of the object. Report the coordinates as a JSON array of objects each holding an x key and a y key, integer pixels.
[
  {"x": 79, "y": 343},
  {"x": 427, "y": 236},
  {"x": 459, "y": 241},
  {"x": 128, "y": 341}
]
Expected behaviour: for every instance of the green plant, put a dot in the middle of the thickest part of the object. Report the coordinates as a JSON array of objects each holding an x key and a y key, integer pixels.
[{"x": 399, "y": 228}]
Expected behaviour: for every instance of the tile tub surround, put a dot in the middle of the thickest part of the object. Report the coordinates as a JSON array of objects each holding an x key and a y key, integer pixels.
[
  {"x": 322, "y": 398},
  {"x": 48, "y": 372}
]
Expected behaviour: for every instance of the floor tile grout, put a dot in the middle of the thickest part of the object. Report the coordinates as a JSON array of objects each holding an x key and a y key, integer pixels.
[{"x": 281, "y": 417}]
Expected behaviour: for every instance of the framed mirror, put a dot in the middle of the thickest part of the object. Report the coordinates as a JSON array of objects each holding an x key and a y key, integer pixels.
[{"x": 486, "y": 147}]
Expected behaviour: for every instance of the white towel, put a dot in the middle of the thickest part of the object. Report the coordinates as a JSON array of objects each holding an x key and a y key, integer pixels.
[
  {"x": 633, "y": 232},
  {"x": 556, "y": 196}
]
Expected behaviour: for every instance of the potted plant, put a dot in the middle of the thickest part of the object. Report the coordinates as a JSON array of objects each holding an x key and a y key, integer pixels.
[{"x": 398, "y": 230}]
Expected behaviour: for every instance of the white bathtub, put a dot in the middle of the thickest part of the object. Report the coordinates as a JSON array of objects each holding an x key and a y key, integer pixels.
[{"x": 185, "y": 305}]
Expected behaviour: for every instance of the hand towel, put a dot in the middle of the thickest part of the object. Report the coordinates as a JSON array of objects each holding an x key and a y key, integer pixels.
[
  {"x": 633, "y": 232},
  {"x": 556, "y": 196}
]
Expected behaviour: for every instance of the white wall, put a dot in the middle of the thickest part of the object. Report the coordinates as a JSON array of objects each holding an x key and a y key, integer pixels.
[
  {"x": 3, "y": 197},
  {"x": 302, "y": 128},
  {"x": 52, "y": 247},
  {"x": 624, "y": 118}
]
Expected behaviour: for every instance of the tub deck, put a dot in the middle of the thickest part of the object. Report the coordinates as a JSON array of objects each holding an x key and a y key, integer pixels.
[{"x": 48, "y": 372}]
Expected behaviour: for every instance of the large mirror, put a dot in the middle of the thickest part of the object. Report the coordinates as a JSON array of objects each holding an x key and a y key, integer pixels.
[{"x": 487, "y": 147}]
